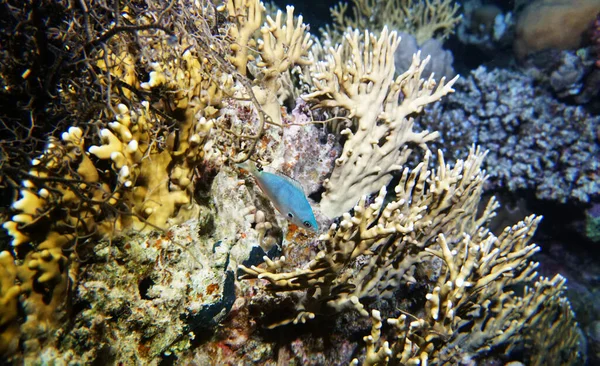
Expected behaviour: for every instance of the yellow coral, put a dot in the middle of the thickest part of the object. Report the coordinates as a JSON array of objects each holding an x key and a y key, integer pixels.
[
  {"x": 246, "y": 16},
  {"x": 139, "y": 174},
  {"x": 391, "y": 236},
  {"x": 9, "y": 293},
  {"x": 425, "y": 19},
  {"x": 471, "y": 309}
]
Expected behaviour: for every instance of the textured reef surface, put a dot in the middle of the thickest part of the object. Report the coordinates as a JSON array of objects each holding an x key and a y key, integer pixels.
[{"x": 138, "y": 227}]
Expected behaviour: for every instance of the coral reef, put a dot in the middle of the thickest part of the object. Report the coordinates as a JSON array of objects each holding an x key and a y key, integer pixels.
[
  {"x": 535, "y": 141},
  {"x": 130, "y": 228},
  {"x": 388, "y": 238},
  {"x": 76, "y": 191},
  {"x": 441, "y": 61},
  {"x": 473, "y": 307},
  {"x": 379, "y": 108},
  {"x": 424, "y": 19},
  {"x": 139, "y": 171}
]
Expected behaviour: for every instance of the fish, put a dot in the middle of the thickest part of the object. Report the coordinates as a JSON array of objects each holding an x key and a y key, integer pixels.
[{"x": 286, "y": 195}]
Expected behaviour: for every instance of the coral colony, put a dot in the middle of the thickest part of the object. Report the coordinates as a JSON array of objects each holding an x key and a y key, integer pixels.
[{"x": 137, "y": 236}]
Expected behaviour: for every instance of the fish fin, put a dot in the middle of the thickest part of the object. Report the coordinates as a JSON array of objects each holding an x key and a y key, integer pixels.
[
  {"x": 255, "y": 168},
  {"x": 291, "y": 180}
]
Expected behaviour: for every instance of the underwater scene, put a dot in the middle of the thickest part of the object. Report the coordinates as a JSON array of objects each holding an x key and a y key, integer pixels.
[{"x": 237, "y": 182}]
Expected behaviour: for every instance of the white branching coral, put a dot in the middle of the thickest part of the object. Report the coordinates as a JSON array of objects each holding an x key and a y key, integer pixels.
[
  {"x": 281, "y": 47},
  {"x": 246, "y": 17},
  {"x": 358, "y": 76}
]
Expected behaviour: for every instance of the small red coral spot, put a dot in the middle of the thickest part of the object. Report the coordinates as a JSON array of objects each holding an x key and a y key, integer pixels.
[
  {"x": 143, "y": 349},
  {"x": 212, "y": 288},
  {"x": 292, "y": 229}
]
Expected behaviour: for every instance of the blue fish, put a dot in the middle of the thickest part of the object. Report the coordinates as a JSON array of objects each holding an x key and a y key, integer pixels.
[{"x": 287, "y": 196}]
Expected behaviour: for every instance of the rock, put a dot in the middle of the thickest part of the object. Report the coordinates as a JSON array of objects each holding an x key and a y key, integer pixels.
[{"x": 558, "y": 24}]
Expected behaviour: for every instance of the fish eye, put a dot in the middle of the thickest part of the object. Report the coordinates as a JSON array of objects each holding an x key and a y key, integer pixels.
[
  {"x": 307, "y": 224},
  {"x": 290, "y": 215}
]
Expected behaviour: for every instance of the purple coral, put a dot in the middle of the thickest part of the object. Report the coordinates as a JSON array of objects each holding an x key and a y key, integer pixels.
[{"x": 536, "y": 142}]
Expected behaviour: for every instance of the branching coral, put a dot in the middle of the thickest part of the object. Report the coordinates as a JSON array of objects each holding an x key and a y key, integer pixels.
[
  {"x": 473, "y": 307},
  {"x": 389, "y": 239},
  {"x": 280, "y": 46},
  {"x": 539, "y": 322},
  {"x": 137, "y": 175},
  {"x": 359, "y": 77},
  {"x": 161, "y": 78},
  {"x": 423, "y": 19}
]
